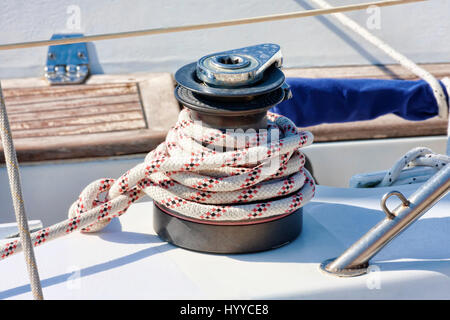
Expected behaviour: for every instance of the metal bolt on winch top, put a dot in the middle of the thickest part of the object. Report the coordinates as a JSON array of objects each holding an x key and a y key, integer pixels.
[{"x": 235, "y": 88}]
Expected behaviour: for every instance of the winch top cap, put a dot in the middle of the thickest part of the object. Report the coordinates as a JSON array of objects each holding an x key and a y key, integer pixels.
[
  {"x": 243, "y": 72},
  {"x": 238, "y": 67}
]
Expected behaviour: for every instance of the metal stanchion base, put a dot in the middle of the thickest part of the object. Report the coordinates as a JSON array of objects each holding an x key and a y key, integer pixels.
[
  {"x": 349, "y": 272},
  {"x": 229, "y": 238}
]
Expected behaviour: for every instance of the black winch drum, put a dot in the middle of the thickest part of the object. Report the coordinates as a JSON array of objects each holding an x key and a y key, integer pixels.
[
  {"x": 230, "y": 104},
  {"x": 226, "y": 238}
]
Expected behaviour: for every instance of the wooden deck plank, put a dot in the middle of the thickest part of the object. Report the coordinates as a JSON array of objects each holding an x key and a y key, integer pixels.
[
  {"x": 439, "y": 70},
  {"x": 66, "y": 89},
  {"x": 76, "y": 103},
  {"x": 65, "y": 123},
  {"x": 81, "y": 129},
  {"x": 107, "y": 116},
  {"x": 159, "y": 103},
  {"x": 36, "y": 114},
  {"x": 48, "y": 94},
  {"x": 57, "y": 110}
]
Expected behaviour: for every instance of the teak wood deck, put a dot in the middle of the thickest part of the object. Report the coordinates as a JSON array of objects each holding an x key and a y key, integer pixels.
[{"x": 113, "y": 115}]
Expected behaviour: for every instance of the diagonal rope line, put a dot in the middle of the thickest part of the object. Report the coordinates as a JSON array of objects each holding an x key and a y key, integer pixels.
[
  {"x": 407, "y": 63},
  {"x": 16, "y": 194}
]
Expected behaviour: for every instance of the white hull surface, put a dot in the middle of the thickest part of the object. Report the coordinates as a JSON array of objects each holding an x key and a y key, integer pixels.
[{"x": 128, "y": 261}]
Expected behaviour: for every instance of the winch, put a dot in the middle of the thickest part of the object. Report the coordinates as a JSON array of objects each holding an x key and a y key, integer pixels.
[
  {"x": 229, "y": 177},
  {"x": 231, "y": 90}
]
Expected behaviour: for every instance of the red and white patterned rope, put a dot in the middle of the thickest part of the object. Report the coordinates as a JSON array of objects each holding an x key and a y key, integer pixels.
[{"x": 192, "y": 175}]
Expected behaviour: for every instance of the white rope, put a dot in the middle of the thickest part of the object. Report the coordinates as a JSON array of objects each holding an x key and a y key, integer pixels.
[
  {"x": 446, "y": 82},
  {"x": 190, "y": 174},
  {"x": 19, "y": 208},
  {"x": 403, "y": 60},
  {"x": 417, "y": 165}
]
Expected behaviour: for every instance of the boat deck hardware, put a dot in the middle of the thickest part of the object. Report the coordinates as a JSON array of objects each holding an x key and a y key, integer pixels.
[
  {"x": 231, "y": 90},
  {"x": 355, "y": 260},
  {"x": 238, "y": 67},
  {"x": 68, "y": 63},
  {"x": 400, "y": 195}
]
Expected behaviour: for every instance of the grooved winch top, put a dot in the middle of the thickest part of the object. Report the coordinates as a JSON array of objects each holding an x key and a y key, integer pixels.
[
  {"x": 239, "y": 73},
  {"x": 238, "y": 67}
]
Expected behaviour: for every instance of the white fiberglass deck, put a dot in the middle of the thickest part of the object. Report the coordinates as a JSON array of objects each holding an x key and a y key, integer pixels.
[{"x": 128, "y": 261}]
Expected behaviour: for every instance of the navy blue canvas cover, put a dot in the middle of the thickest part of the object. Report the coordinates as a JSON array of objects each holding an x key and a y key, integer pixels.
[{"x": 317, "y": 101}]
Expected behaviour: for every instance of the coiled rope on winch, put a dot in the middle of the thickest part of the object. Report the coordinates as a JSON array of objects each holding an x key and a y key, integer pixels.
[{"x": 191, "y": 175}]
